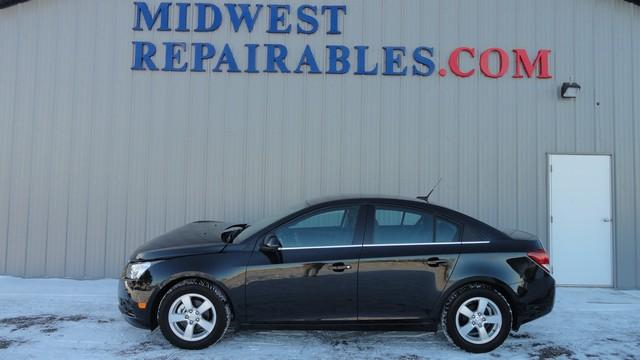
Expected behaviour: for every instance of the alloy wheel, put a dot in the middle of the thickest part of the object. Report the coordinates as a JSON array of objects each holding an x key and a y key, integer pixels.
[
  {"x": 478, "y": 320},
  {"x": 192, "y": 317}
]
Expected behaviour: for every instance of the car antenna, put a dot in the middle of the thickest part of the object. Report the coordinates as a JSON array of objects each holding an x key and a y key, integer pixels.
[{"x": 426, "y": 198}]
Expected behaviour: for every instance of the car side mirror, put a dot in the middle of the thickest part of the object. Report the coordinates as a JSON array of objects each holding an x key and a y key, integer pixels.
[{"x": 271, "y": 244}]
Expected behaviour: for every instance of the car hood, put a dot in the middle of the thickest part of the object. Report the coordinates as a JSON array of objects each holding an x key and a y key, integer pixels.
[{"x": 196, "y": 238}]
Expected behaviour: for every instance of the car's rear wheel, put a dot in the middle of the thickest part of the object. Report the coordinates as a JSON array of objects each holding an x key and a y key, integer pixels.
[
  {"x": 476, "y": 318},
  {"x": 194, "y": 314}
]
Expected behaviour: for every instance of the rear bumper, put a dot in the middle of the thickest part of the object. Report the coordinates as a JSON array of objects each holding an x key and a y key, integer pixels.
[
  {"x": 535, "y": 298},
  {"x": 129, "y": 298}
]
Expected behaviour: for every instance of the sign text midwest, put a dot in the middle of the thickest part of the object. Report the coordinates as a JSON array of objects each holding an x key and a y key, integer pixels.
[{"x": 305, "y": 20}]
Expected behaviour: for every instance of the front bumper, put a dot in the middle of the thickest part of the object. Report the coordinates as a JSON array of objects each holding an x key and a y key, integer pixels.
[{"x": 130, "y": 295}]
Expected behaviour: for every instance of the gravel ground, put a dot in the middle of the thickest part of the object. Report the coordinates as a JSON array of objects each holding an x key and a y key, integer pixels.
[{"x": 68, "y": 319}]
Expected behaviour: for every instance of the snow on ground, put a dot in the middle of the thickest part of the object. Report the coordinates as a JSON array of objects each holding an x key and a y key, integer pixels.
[{"x": 68, "y": 319}]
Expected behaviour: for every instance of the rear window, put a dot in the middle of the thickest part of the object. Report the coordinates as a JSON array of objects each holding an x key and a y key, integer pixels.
[{"x": 446, "y": 231}]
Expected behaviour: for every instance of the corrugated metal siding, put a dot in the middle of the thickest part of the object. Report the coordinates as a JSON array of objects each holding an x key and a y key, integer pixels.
[
  {"x": 635, "y": 44},
  {"x": 95, "y": 158}
]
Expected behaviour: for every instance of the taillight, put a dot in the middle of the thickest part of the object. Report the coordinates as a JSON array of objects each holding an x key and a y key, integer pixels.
[{"x": 541, "y": 258}]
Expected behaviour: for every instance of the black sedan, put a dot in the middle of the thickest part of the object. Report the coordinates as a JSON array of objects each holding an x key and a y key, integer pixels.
[{"x": 342, "y": 262}]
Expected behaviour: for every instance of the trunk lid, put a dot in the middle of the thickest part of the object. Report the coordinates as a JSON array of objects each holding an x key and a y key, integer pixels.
[
  {"x": 519, "y": 234},
  {"x": 521, "y": 240}
]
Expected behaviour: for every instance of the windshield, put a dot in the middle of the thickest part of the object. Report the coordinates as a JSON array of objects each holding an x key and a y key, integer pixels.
[{"x": 261, "y": 224}]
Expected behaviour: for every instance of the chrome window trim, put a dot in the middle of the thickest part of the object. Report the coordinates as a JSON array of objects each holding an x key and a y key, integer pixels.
[
  {"x": 382, "y": 245},
  {"x": 430, "y": 244},
  {"x": 320, "y": 247}
]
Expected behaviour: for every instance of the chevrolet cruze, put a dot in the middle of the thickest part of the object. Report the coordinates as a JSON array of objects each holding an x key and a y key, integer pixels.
[{"x": 341, "y": 262}]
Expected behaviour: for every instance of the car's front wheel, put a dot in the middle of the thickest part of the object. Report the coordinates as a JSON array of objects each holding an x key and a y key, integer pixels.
[
  {"x": 194, "y": 314},
  {"x": 476, "y": 318}
]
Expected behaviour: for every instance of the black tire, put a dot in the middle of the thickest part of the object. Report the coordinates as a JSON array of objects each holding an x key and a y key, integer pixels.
[
  {"x": 207, "y": 290},
  {"x": 457, "y": 299}
]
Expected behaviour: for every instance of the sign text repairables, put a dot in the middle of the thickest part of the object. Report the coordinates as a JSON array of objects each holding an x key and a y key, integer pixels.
[{"x": 302, "y": 20}]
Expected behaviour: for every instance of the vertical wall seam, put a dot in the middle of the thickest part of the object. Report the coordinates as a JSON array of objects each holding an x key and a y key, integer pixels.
[
  {"x": 614, "y": 145},
  {"x": 265, "y": 136},
  {"x": 440, "y": 80},
  {"x": 11, "y": 148},
  {"x": 381, "y": 109},
  {"x": 342, "y": 127},
  {"x": 245, "y": 143},
  {"x": 108, "y": 160},
  {"x": 594, "y": 103},
  {"x": 477, "y": 123},
  {"x": 89, "y": 157},
  {"x": 457, "y": 122},
  {"x": 634, "y": 152},
  {"x": 31, "y": 151},
  {"x": 223, "y": 178},
  {"x": 401, "y": 111},
  {"x": 324, "y": 181},
  {"x": 187, "y": 151},
  {"x": 419, "y": 122},
  {"x": 574, "y": 72},
  {"x": 205, "y": 157},
  {"x": 517, "y": 149},
  {"x": 71, "y": 148},
  {"x": 125, "y": 231},
  {"x": 536, "y": 120},
  {"x": 498, "y": 143},
  {"x": 362, "y": 145},
  {"x": 54, "y": 108}
]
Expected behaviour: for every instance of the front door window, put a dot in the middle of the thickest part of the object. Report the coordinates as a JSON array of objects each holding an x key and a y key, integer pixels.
[{"x": 323, "y": 228}]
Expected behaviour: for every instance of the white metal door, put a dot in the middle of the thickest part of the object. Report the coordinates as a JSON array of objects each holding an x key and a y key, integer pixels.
[{"x": 581, "y": 220}]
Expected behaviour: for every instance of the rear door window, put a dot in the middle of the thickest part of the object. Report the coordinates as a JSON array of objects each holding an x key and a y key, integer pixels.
[{"x": 401, "y": 226}]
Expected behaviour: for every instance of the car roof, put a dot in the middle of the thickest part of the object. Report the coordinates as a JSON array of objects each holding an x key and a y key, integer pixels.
[
  {"x": 365, "y": 197},
  {"x": 406, "y": 200}
]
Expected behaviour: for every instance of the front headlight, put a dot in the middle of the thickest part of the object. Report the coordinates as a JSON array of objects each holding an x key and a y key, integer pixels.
[{"x": 136, "y": 270}]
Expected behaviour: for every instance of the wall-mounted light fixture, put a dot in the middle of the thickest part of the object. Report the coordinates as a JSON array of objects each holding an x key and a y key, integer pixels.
[{"x": 570, "y": 90}]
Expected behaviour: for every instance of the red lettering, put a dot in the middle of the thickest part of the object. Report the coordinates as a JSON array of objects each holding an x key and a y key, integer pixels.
[
  {"x": 541, "y": 61},
  {"x": 503, "y": 64},
  {"x": 454, "y": 61}
]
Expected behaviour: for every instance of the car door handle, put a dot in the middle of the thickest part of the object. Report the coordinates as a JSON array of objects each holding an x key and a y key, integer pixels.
[
  {"x": 607, "y": 220},
  {"x": 340, "y": 267},
  {"x": 435, "y": 262}
]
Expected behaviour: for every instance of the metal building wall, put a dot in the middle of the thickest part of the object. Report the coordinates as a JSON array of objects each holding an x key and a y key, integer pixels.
[{"x": 95, "y": 158}]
